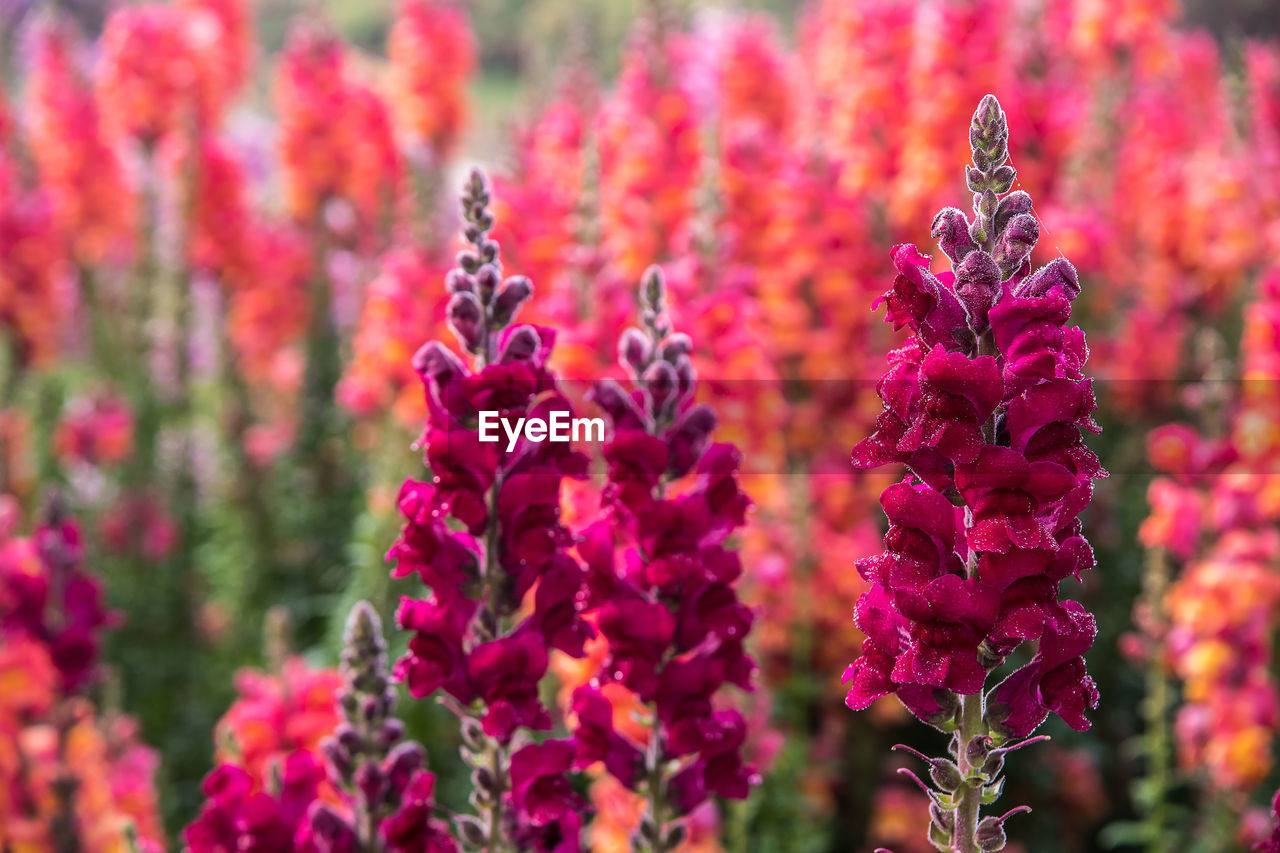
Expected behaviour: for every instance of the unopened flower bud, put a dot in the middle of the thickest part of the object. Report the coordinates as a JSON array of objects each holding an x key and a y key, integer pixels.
[
  {"x": 634, "y": 350},
  {"x": 464, "y": 318},
  {"x": 942, "y": 818},
  {"x": 1010, "y": 206},
  {"x": 951, "y": 230},
  {"x": 945, "y": 774},
  {"x": 974, "y": 178},
  {"x": 1001, "y": 180},
  {"x": 472, "y": 733},
  {"x": 371, "y": 782},
  {"x": 687, "y": 439},
  {"x": 977, "y": 751},
  {"x": 487, "y": 281},
  {"x": 978, "y": 286},
  {"x": 468, "y": 260},
  {"x": 675, "y": 346},
  {"x": 391, "y": 733},
  {"x": 648, "y": 829},
  {"x": 985, "y": 203},
  {"x": 471, "y": 831},
  {"x": 402, "y": 762},
  {"x": 482, "y": 780},
  {"x": 1016, "y": 241},
  {"x": 686, "y": 376},
  {"x": 489, "y": 251},
  {"x": 521, "y": 345},
  {"x": 513, "y": 294},
  {"x": 348, "y": 738},
  {"x": 990, "y": 835},
  {"x": 1056, "y": 278},
  {"x": 674, "y": 836},
  {"x": 329, "y": 826},
  {"x": 653, "y": 289},
  {"x": 459, "y": 281},
  {"x": 661, "y": 385},
  {"x": 338, "y": 760}
]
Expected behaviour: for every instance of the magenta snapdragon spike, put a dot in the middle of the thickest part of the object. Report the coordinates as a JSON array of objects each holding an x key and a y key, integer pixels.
[
  {"x": 387, "y": 795},
  {"x": 388, "y": 789},
  {"x": 503, "y": 498},
  {"x": 669, "y": 609},
  {"x": 62, "y": 606},
  {"x": 985, "y": 405}
]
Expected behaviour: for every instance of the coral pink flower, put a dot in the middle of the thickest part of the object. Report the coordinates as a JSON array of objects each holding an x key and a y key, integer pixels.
[{"x": 433, "y": 55}]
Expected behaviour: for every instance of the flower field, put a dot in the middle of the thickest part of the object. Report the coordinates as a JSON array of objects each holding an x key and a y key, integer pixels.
[{"x": 935, "y": 353}]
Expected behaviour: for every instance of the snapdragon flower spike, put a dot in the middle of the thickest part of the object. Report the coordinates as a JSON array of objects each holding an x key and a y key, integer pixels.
[
  {"x": 669, "y": 608},
  {"x": 386, "y": 798},
  {"x": 383, "y": 777},
  {"x": 485, "y": 535},
  {"x": 61, "y": 606},
  {"x": 985, "y": 405}
]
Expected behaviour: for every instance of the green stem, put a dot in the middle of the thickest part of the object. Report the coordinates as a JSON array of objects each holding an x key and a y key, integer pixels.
[
  {"x": 969, "y": 796},
  {"x": 495, "y": 835},
  {"x": 657, "y": 793},
  {"x": 1156, "y": 711}
]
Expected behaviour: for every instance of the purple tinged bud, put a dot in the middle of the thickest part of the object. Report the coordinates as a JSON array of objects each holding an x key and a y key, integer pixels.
[
  {"x": 348, "y": 737},
  {"x": 458, "y": 281},
  {"x": 661, "y": 385},
  {"x": 988, "y": 111},
  {"x": 468, "y": 260},
  {"x": 1017, "y": 240},
  {"x": 521, "y": 345},
  {"x": 621, "y": 407},
  {"x": 687, "y": 440},
  {"x": 464, "y": 315},
  {"x": 951, "y": 230},
  {"x": 945, "y": 774},
  {"x": 973, "y": 177},
  {"x": 330, "y": 827},
  {"x": 435, "y": 363},
  {"x": 487, "y": 280},
  {"x": 402, "y": 762},
  {"x": 653, "y": 289},
  {"x": 1058, "y": 277},
  {"x": 371, "y": 782},
  {"x": 338, "y": 760},
  {"x": 472, "y": 832},
  {"x": 391, "y": 733},
  {"x": 686, "y": 376},
  {"x": 675, "y": 346},
  {"x": 513, "y": 294},
  {"x": 941, "y": 818},
  {"x": 472, "y": 733},
  {"x": 978, "y": 286},
  {"x": 1002, "y": 179},
  {"x": 990, "y": 835},
  {"x": 634, "y": 350},
  {"x": 1010, "y": 206},
  {"x": 977, "y": 751}
]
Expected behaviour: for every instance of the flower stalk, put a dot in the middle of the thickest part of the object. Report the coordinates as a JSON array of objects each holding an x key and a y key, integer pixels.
[{"x": 984, "y": 406}]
